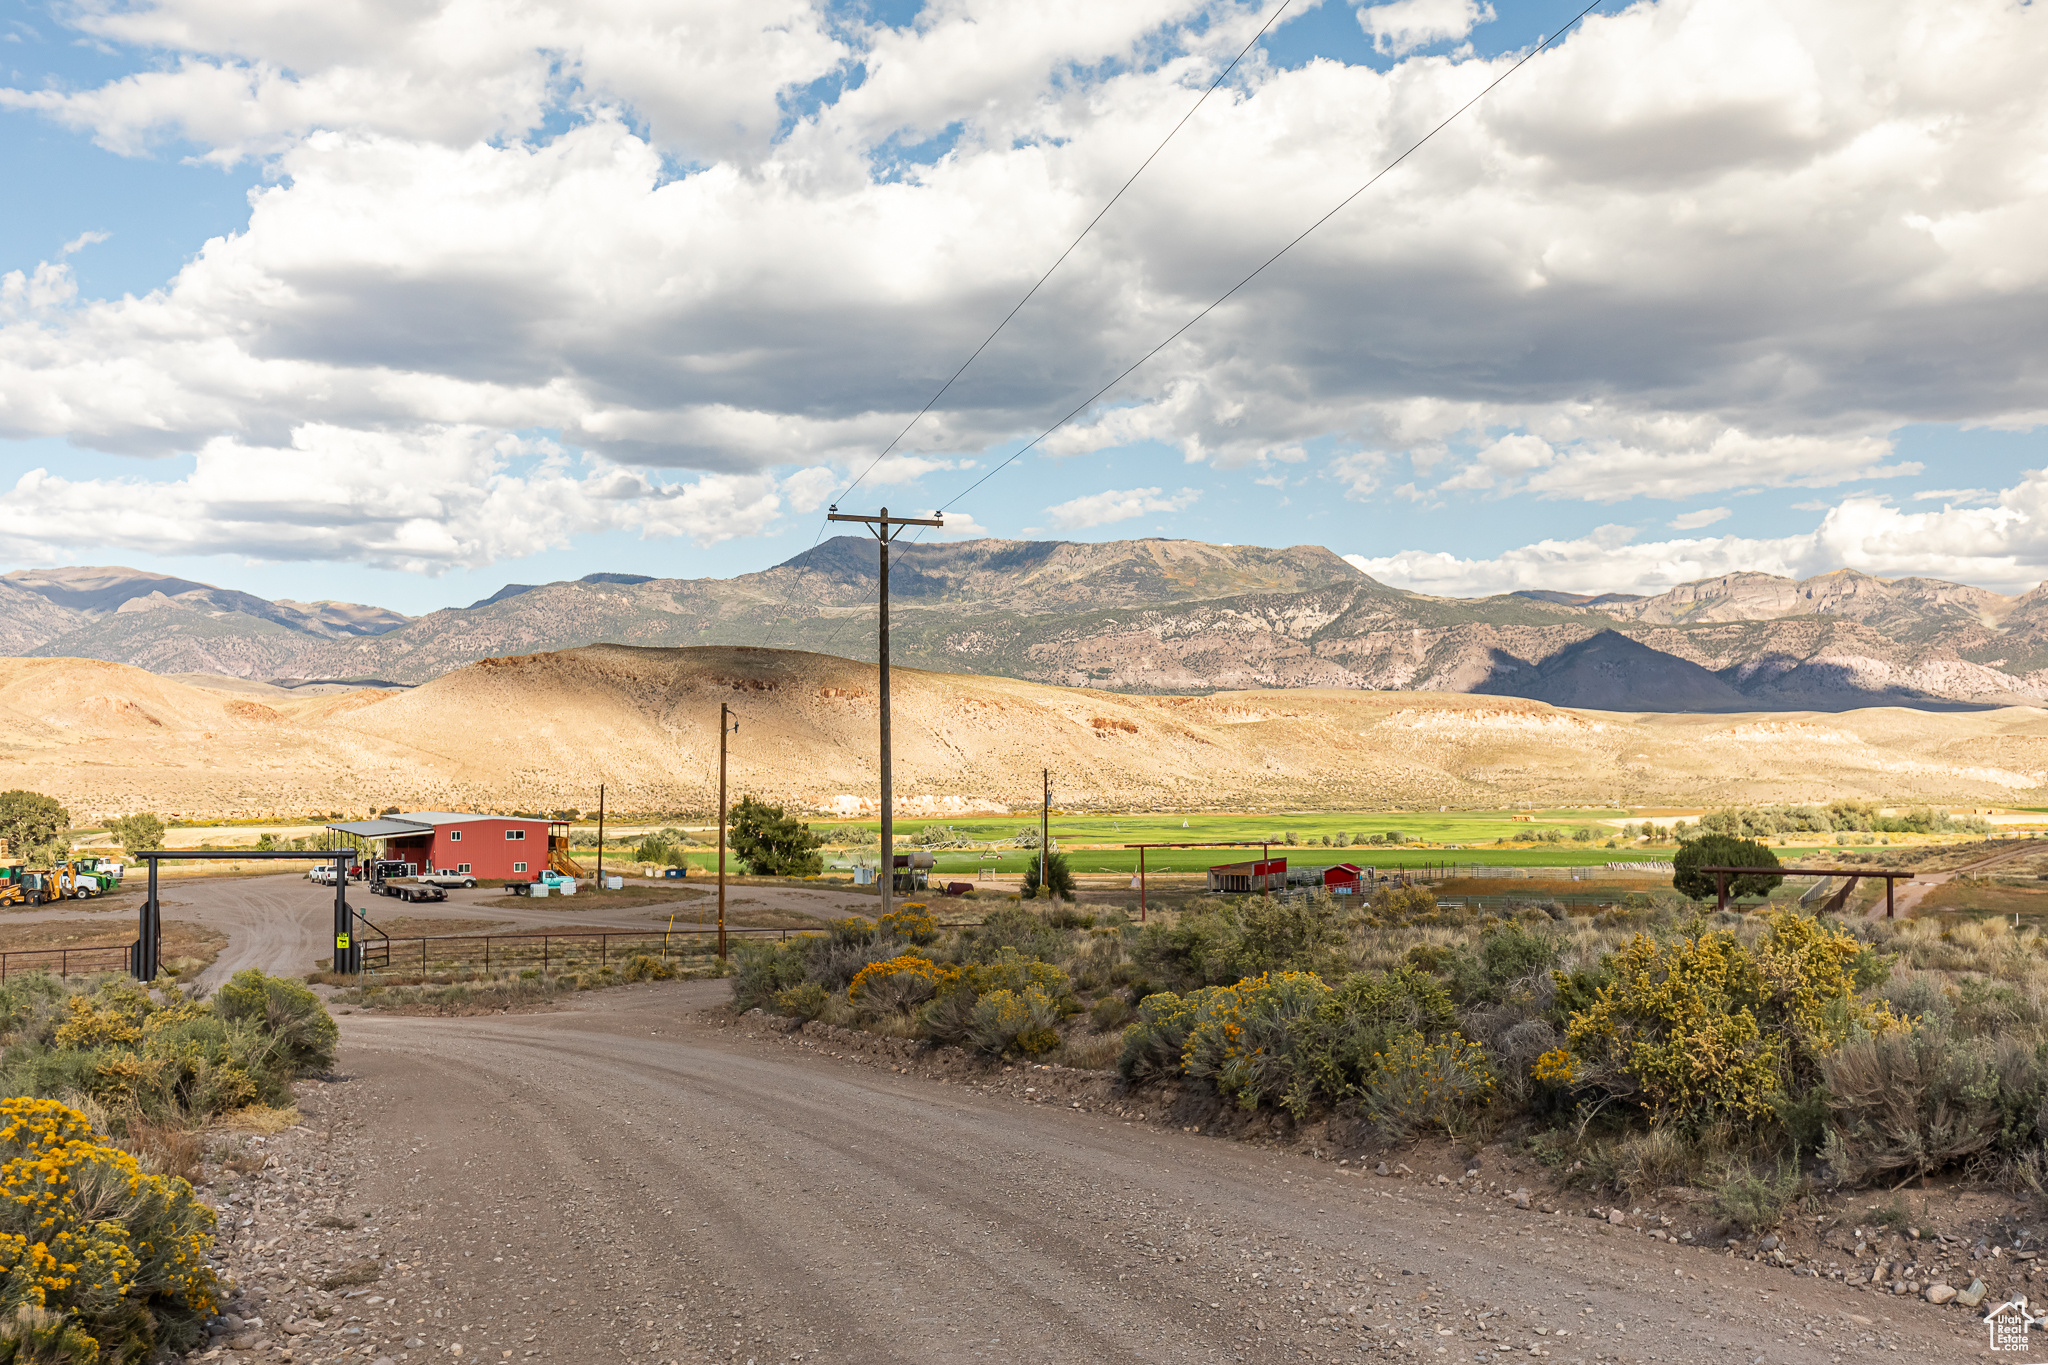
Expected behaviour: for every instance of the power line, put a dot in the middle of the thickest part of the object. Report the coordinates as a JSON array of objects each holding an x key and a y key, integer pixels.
[
  {"x": 1062, "y": 256},
  {"x": 1341, "y": 205}
]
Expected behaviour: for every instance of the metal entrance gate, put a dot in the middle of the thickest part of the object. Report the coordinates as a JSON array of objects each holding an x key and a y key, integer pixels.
[{"x": 143, "y": 953}]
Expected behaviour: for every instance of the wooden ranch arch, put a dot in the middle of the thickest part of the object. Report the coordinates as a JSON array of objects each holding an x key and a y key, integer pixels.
[{"x": 1834, "y": 902}]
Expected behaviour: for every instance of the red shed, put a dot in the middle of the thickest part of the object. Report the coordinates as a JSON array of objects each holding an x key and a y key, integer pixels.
[
  {"x": 511, "y": 846},
  {"x": 1343, "y": 879},
  {"x": 1270, "y": 875}
]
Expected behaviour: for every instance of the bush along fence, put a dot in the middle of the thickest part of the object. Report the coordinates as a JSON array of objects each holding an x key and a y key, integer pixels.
[{"x": 1655, "y": 1045}]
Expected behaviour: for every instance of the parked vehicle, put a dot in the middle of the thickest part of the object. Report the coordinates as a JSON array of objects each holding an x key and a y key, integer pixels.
[
  {"x": 65, "y": 881},
  {"x": 414, "y": 891},
  {"x": 447, "y": 879},
  {"x": 384, "y": 872}
]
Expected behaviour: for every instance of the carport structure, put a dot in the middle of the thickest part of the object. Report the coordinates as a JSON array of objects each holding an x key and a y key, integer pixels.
[{"x": 1834, "y": 902}]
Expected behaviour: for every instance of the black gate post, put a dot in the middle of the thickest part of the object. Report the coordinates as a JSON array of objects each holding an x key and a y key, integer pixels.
[
  {"x": 348, "y": 954},
  {"x": 142, "y": 957}
]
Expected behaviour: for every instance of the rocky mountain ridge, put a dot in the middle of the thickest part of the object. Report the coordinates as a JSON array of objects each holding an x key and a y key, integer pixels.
[{"x": 1146, "y": 616}]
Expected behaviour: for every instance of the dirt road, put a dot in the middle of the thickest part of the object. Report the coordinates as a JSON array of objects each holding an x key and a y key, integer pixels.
[
  {"x": 628, "y": 1181},
  {"x": 1910, "y": 894}
]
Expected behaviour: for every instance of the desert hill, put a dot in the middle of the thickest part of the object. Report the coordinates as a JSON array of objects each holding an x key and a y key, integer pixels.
[
  {"x": 1140, "y": 616},
  {"x": 541, "y": 731}
]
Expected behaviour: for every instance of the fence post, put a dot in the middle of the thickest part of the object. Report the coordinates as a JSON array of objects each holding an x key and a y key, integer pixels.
[
  {"x": 604, "y": 951},
  {"x": 64, "y": 963},
  {"x": 423, "y": 959},
  {"x": 487, "y": 952},
  {"x": 543, "y": 954}
]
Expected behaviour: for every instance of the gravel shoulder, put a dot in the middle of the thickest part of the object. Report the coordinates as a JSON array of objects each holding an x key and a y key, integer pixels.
[{"x": 642, "y": 1178}]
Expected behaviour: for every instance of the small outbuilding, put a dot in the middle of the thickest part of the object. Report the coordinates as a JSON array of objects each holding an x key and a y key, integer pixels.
[
  {"x": 1270, "y": 875},
  {"x": 1345, "y": 878}
]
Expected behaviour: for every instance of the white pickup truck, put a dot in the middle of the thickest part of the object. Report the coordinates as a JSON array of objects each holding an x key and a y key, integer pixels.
[{"x": 446, "y": 880}]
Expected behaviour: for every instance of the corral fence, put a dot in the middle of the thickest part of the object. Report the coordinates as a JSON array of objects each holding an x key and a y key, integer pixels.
[
  {"x": 88, "y": 961},
  {"x": 1564, "y": 873},
  {"x": 552, "y": 951},
  {"x": 569, "y": 951}
]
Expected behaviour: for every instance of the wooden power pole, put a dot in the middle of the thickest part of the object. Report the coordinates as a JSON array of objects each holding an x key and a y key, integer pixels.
[
  {"x": 600, "y": 836},
  {"x": 1044, "y": 831},
  {"x": 879, "y": 527},
  {"x": 726, "y": 725}
]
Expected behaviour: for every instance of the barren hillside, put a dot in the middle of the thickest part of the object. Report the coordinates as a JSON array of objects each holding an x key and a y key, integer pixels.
[{"x": 543, "y": 730}]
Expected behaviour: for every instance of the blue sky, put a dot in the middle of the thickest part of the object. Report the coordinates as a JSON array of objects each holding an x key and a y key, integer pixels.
[{"x": 1481, "y": 377}]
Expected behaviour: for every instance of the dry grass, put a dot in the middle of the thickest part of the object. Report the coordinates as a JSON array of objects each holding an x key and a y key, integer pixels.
[
  {"x": 164, "y": 1148},
  {"x": 1090, "y": 1051},
  {"x": 264, "y": 1119},
  {"x": 589, "y": 897},
  {"x": 415, "y": 926},
  {"x": 1969, "y": 895}
]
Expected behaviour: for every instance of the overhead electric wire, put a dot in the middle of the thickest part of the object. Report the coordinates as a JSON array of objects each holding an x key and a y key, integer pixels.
[
  {"x": 1225, "y": 75},
  {"x": 1225, "y": 297}
]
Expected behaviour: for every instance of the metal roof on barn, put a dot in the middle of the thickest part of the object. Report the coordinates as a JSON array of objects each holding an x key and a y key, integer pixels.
[{"x": 381, "y": 829}]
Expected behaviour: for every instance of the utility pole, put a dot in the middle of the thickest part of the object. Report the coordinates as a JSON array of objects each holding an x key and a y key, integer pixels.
[
  {"x": 727, "y": 724},
  {"x": 600, "y": 836},
  {"x": 1044, "y": 830},
  {"x": 879, "y": 527}
]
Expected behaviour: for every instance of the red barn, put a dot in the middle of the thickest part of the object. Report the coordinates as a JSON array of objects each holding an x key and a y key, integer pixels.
[
  {"x": 1270, "y": 875},
  {"x": 483, "y": 846}
]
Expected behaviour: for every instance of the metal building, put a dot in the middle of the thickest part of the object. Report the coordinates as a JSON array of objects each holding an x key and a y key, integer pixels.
[{"x": 482, "y": 846}]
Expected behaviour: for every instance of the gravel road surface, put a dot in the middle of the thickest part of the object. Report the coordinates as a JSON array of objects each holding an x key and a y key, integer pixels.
[{"x": 639, "y": 1179}]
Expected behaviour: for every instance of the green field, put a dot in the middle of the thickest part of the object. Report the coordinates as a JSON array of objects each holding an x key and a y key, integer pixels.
[
  {"x": 1097, "y": 843},
  {"x": 1424, "y": 827}
]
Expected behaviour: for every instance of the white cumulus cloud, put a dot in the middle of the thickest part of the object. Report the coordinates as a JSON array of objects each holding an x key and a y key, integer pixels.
[
  {"x": 1699, "y": 247},
  {"x": 1114, "y": 505},
  {"x": 421, "y": 502},
  {"x": 2002, "y": 546},
  {"x": 1404, "y": 25}
]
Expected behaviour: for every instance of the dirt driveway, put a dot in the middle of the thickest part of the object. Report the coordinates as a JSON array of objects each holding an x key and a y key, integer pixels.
[{"x": 629, "y": 1181}]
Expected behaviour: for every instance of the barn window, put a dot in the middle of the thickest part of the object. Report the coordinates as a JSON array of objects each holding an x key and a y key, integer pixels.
[
  {"x": 462, "y": 867},
  {"x": 515, "y": 834},
  {"x": 455, "y": 834},
  {"x": 519, "y": 867}
]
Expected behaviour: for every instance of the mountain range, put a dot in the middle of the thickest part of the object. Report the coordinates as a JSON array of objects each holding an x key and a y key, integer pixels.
[{"x": 1141, "y": 616}]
